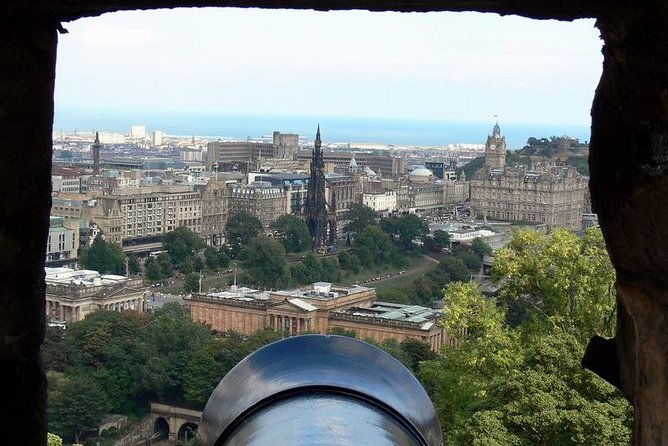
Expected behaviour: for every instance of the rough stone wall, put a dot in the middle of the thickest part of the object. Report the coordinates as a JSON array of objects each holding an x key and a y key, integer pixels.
[
  {"x": 629, "y": 161},
  {"x": 27, "y": 72}
]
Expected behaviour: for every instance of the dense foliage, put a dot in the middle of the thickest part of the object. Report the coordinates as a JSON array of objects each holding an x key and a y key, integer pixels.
[
  {"x": 104, "y": 257},
  {"x": 117, "y": 362},
  {"x": 407, "y": 230},
  {"x": 359, "y": 217},
  {"x": 183, "y": 246},
  {"x": 294, "y": 233},
  {"x": 240, "y": 229},
  {"x": 264, "y": 261},
  {"x": 520, "y": 383}
]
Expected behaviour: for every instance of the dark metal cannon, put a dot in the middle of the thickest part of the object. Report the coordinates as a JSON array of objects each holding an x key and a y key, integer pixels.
[{"x": 319, "y": 390}]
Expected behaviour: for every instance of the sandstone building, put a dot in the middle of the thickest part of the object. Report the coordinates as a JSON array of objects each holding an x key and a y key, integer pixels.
[
  {"x": 260, "y": 199},
  {"x": 320, "y": 309},
  {"x": 549, "y": 195},
  {"x": 72, "y": 294},
  {"x": 139, "y": 216}
]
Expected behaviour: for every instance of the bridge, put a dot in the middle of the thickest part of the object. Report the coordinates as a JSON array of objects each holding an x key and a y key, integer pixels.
[
  {"x": 174, "y": 423},
  {"x": 164, "y": 424}
]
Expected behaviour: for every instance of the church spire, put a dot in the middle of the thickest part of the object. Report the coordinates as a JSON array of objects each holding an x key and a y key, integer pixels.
[
  {"x": 97, "y": 138},
  {"x": 318, "y": 143}
]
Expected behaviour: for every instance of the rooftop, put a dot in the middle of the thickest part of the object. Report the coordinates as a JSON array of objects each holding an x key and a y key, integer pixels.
[
  {"x": 415, "y": 314},
  {"x": 321, "y": 291},
  {"x": 83, "y": 277}
]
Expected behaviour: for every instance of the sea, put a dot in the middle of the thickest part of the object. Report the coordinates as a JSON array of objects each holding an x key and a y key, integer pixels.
[{"x": 334, "y": 129}]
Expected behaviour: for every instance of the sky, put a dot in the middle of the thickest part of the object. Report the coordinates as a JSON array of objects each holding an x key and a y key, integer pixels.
[{"x": 450, "y": 66}]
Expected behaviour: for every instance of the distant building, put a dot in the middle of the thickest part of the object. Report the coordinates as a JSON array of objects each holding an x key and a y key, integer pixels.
[
  {"x": 136, "y": 218},
  {"x": 138, "y": 131},
  {"x": 189, "y": 154},
  {"x": 441, "y": 170},
  {"x": 319, "y": 308},
  {"x": 260, "y": 199},
  {"x": 66, "y": 185},
  {"x": 238, "y": 151},
  {"x": 456, "y": 191},
  {"x": 384, "y": 202},
  {"x": 295, "y": 186},
  {"x": 342, "y": 189},
  {"x": 157, "y": 137},
  {"x": 545, "y": 194},
  {"x": 72, "y": 294},
  {"x": 63, "y": 243},
  {"x": 214, "y": 212},
  {"x": 286, "y": 145},
  {"x": 137, "y": 163},
  {"x": 386, "y": 165}
]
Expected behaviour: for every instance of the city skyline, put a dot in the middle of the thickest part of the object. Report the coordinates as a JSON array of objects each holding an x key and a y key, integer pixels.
[{"x": 456, "y": 67}]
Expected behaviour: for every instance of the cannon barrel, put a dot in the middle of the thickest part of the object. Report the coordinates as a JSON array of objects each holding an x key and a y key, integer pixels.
[{"x": 319, "y": 390}]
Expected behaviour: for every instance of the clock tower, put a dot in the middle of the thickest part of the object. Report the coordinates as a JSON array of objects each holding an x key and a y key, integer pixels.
[{"x": 495, "y": 149}]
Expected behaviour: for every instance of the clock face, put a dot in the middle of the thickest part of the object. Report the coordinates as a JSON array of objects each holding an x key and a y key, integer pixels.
[{"x": 492, "y": 146}]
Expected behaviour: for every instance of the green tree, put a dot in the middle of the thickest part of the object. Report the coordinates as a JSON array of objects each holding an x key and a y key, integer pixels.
[
  {"x": 183, "y": 245},
  {"x": 564, "y": 282},
  {"x": 240, "y": 229},
  {"x": 173, "y": 338},
  {"x": 104, "y": 257},
  {"x": 414, "y": 352},
  {"x": 295, "y": 235},
  {"x": 76, "y": 403},
  {"x": 56, "y": 351},
  {"x": 53, "y": 440},
  {"x": 550, "y": 399},
  {"x": 107, "y": 346},
  {"x": 191, "y": 284},
  {"x": 480, "y": 247},
  {"x": 134, "y": 267},
  {"x": 198, "y": 264},
  {"x": 330, "y": 270},
  {"x": 470, "y": 259},
  {"x": 165, "y": 262},
  {"x": 406, "y": 229},
  {"x": 374, "y": 247},
  {"x": 200, "y": 377},
  {"x": 312, "y": 268},
  {"x": 440, "y": 239},
  {"x": 264, "y": 260},
  {"x": 455, "y": 269},
  {"x": 350, "y": 262},
  {"x": 497, "y": 384},
  {"x": 360, "y": 216},
  {"x": 153, "y": 270},
  {"x": 216, "y": 259}
]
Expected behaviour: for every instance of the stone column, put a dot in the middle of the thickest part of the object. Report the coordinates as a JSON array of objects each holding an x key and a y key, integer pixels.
[
  {"x": 629, "y": 188},
  {"x": 27, "y": 73}
]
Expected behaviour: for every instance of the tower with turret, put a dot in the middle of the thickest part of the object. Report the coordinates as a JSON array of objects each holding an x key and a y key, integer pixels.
[
  {"x": 495, "y": 149},
  {"x": 95, "y": 148}
]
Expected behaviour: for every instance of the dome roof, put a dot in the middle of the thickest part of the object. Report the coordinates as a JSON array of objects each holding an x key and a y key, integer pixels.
[{"x": 421, "y": 174}]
